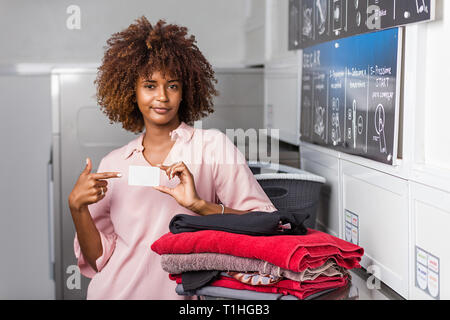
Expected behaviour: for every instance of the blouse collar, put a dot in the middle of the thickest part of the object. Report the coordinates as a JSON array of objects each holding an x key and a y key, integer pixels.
[{"x": 184, "y": 132}]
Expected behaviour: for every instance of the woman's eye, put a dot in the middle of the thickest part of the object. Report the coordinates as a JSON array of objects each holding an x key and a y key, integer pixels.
[
  {"x": 173, "y": 86},
  {"x": 150, "y": 86}
]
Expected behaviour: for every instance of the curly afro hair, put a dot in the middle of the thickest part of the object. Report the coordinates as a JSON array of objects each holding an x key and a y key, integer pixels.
[{"x": 142, "y": 49}]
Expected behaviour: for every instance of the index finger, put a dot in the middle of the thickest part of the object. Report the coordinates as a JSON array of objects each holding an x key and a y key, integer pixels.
[{"x": 106, "y": 175}]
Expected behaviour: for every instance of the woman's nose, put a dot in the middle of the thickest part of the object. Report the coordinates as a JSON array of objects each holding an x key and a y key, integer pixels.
[{"x": 162, "y": 95}]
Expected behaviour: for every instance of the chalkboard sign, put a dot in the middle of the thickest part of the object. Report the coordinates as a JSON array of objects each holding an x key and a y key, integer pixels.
[
  {"x": 317, "y": 21},
  {"x": 350, "y": 94}
]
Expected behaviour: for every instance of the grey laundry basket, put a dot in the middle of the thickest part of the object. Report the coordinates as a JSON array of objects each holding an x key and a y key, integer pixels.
[{"x": 290, "y": 188}]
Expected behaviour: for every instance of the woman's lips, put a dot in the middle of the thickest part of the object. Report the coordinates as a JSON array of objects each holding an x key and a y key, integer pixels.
[{"x": 161, "y": 110}]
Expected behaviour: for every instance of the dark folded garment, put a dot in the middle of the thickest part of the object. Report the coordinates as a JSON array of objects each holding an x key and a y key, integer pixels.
[
  {"x": 255, "y": 223},
  {"x": 196, "y": 279}
]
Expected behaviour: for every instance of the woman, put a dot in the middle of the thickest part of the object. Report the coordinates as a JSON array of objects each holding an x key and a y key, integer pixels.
[{"x": 154, "y": 78}]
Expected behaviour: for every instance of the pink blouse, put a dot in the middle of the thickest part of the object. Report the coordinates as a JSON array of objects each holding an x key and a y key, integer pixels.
[{"x": 131, "y": 218}]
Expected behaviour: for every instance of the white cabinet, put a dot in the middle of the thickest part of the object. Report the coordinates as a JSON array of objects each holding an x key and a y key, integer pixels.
[
  {"x": 378, "y": 206},
  {"x": 430, "y": 238},
  {"x": 401, "y": 224},
  {"x": 281, "y": 102},
  {"x": 254, "y": 32},
  {"x": 266, "y": 33},
  {"x": 240, "y": 101},
  {"x": 277, "y": 30},
  {"x": 281, "y": 84}
]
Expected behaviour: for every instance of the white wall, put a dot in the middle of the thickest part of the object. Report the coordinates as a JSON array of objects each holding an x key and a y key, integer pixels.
[
  {"x": 35, "y": 31},
  {"x": 436, "y": 69}
]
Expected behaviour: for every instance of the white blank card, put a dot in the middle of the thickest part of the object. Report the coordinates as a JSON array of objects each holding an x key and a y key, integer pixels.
[{"x": 143, "y": 176}]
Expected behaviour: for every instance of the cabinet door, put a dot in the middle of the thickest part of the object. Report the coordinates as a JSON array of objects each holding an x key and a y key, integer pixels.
[
  {"x": 429, "y": 254},
  {"x": 281, "y": 103},
  {"x": 255, "y": 17},
  {"x": 240, "y": 102},
  {"x": 26, "y": 271},
  {"x": 375, "y": 216},
  {"x": 277, "y": 32}
]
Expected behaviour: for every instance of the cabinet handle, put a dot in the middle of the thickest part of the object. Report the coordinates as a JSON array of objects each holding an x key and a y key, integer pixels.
[{"x": 51, "y": 230}]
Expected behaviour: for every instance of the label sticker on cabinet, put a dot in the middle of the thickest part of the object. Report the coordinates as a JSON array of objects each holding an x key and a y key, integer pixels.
[
  {"x": 427, "y": 273},
  {"x": 348, "y": 234},
  {"x": 348, "y": 216},
  {"x": 351, "y": 227}
]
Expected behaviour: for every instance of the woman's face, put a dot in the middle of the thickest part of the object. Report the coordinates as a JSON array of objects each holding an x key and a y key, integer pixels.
[{"x": 159, "y": 98}]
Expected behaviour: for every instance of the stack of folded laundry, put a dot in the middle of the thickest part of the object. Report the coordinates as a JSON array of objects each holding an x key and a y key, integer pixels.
[{"x": 254, "y": 256}]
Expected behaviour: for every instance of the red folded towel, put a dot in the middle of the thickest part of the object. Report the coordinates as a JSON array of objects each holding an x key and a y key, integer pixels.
[
  {"x": 295, "y": 253},
  {"x": 300, "y": 290}
]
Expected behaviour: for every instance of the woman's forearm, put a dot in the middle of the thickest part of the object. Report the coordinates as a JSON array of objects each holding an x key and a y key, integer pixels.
[
  {"x": 88, "y": 235},
  {"x": 204, "y": 208}
]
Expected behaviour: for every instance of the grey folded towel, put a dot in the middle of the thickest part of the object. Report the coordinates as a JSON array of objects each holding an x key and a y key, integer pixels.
[{"x": 179, "y": 263}]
